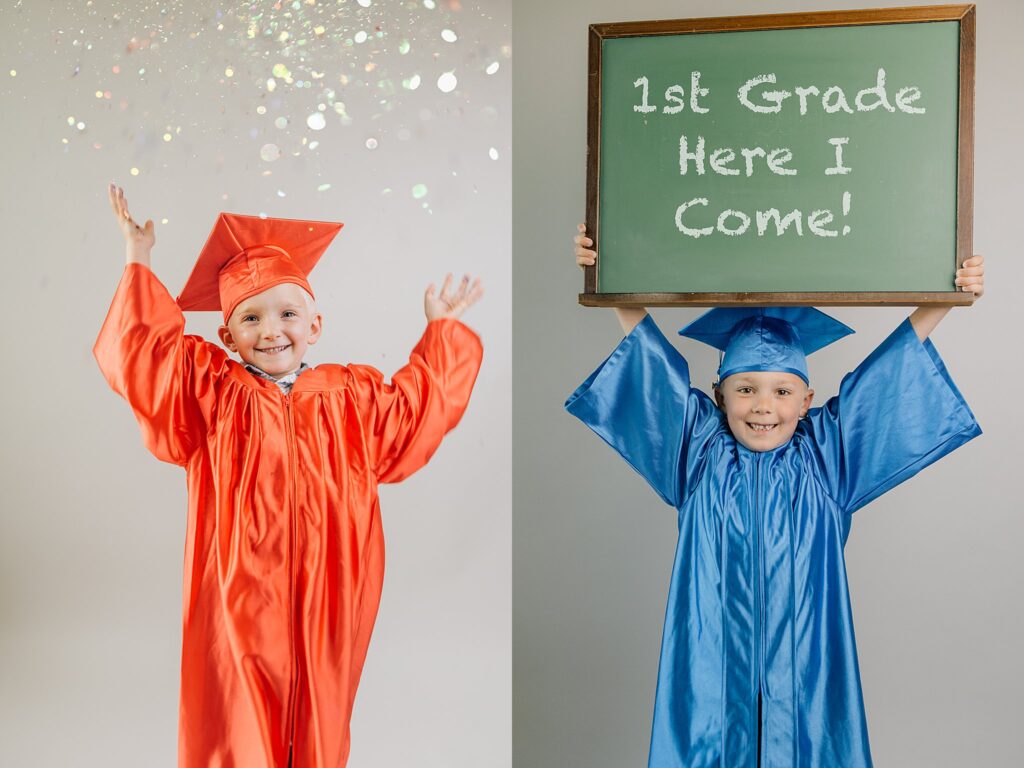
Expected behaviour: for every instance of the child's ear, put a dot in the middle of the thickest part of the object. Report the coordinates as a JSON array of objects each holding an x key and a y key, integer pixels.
[
  {"x": 315, "y": 328},
  {"x": 719, "y": 398},
  {"x": 807, "y": 403},
  {"x": 226, "y": 338}
]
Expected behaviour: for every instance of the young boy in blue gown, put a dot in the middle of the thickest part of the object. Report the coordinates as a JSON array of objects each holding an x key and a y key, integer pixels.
[{"x": 758, "y": 661}]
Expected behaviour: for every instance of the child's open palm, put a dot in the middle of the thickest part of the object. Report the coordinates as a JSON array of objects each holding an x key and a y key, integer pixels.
[
  {"x": 448, "y": 303},
  {"x": 139, "y": 240}
]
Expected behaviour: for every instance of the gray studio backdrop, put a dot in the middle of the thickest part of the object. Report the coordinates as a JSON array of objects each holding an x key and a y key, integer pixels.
[
  {"x": 391, "y": 116},
  {"x": 934, "y": 565}
]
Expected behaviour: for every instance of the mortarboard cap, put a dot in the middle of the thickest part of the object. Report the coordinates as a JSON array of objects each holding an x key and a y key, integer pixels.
[
  {"x": 765, "y": 338},
  {"x": 246, "y": 255}
]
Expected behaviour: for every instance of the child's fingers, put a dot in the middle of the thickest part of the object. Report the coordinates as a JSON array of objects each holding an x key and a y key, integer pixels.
[
  {"x": 476, "y": 290},
  {"x": 461, "y": 298},
  {"x": 585, "y": 256},
  {"x": 975, "y": 261},
  {"x": 463, "y": 288},
  {"x": 584, "y": 261},
  {"x": 431, "y": 290},
  {"x": 581, "y": 227},
  {"x": 122, "y": 207},
  {"x": 977, "y": 289},
  {"x": 970, "y": 271},
  {"x": 117, "y": 201},
  {"x": 446, "y": 287}
]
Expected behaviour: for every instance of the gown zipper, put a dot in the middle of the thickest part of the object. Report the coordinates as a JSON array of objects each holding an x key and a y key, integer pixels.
[
  {"x": 759, "y": 590},
  {"x": 292, "y": 536}
]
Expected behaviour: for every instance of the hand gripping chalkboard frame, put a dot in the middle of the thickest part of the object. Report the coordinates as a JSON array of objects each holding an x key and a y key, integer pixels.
[{"x": 964, "y": 14}]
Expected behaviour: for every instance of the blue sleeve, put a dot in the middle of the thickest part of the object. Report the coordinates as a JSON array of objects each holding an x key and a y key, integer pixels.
[
  {"x": 640, "y": 402},
  {"x": 897, "y": 413}
]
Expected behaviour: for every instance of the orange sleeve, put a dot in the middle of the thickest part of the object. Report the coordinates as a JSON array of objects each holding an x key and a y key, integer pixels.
[
  {"x": 404, "y": 421},
  {"x": 166, "y": 377}
]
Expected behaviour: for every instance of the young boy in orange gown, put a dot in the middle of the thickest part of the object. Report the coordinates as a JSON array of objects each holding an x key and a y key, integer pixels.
[{"x": 284, "y": 553}]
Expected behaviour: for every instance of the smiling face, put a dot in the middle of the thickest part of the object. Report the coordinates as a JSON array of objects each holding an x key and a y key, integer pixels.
[
  {"x": 272, "y": 329},
  {"x": 763, "y": 407}
]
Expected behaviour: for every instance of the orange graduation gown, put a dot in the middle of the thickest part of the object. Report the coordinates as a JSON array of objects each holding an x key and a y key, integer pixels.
[{"x": 284, "y": 552}]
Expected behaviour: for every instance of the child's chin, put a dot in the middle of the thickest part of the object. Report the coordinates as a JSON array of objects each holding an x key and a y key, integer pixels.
[{"x": 767, "y": 441}]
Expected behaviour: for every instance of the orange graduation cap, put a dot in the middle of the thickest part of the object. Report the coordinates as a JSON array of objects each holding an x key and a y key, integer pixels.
[{"x": 246, "y": 255}]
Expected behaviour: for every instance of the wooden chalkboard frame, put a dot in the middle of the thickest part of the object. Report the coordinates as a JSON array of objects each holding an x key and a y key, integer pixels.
[{"x": 965, "y": 151}]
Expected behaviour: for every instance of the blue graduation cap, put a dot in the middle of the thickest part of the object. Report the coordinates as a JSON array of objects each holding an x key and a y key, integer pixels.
[{"x": 765, "y": 338}]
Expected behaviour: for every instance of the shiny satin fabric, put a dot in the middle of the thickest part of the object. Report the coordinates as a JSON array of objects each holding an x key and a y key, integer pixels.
[
  {"x": 284, "y": 551},
  {"x": 758, "y": 606}
]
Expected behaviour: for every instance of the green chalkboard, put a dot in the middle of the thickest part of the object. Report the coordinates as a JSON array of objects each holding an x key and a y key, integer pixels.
[{"x": 788, "y": 159}]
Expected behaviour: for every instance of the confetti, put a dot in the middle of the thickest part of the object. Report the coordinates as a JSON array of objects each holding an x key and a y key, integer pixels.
[
  {"x": 446, "y": 83},
  {"x": 293, "y": 61}
]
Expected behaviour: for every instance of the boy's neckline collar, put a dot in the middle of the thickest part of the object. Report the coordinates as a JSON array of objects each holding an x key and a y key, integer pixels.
[{"x": 288, "y": 377}]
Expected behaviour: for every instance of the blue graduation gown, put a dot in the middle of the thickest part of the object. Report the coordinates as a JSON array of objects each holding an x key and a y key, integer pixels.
[{"x": 759, "y": 606}]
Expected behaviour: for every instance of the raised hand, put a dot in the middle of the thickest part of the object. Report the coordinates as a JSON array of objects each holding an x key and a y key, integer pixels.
[
  {"x": 628, "y": 317},
  {"x": 971, "y": 276},
  {"x": 585, "y": 257},
  {"x": 449, "y": 304},
  {"x": 139, "y": 241}
]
